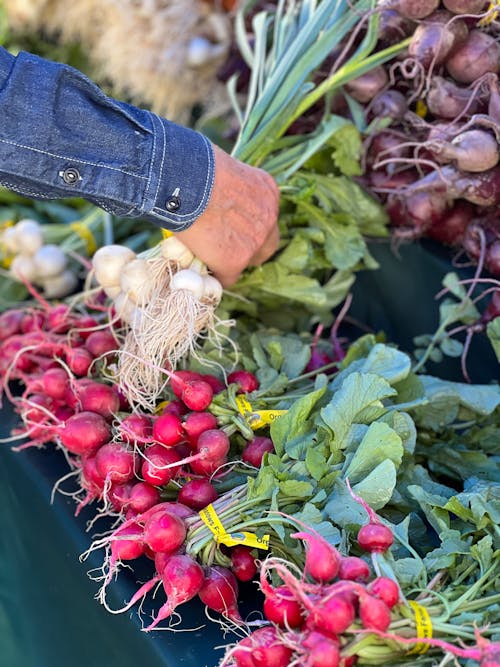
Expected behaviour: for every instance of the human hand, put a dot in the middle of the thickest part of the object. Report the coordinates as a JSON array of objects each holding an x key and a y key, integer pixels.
[{"x": 239, "y": 226}]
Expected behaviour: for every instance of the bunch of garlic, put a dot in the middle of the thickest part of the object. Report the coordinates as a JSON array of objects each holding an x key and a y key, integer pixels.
[{"x": 33, "y": 261}]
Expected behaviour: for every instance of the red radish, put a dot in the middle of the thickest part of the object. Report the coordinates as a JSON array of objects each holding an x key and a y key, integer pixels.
[
  {"x": 197, "y": 395},
  {"x": 254, "y": 450},
  {"x": 375, "y": 537},
  {"x": 243, "y": 563},
  {"x": 143, "y": 496},
  {"x": 213, "y": 444},
  {"x": 352, "y": 568},
  {"x": 206, "y": 467},
  {"x": 114, "y": 462},
  {"x": 84, "y": 433},
  {"x": 216, "y": 384},
  {"x": 100, "y": 398},
  {"x": 386, "y": 589},
  {"x": 153, "y": 469},
  {"x": 119, "y": 495},
  {"x": 10, "y": 323},
  {"x": 197, "y": 494},
  {"x": 332, "y": 617},
  {"x": 79, "y": 360},
  {"x": 175, "y": 408},
  {"x": 85, "y": 324},
  {"x": 281, "y": 608},
  {"x": 322, "y": 651},
  {"x": 374, "y": 613},
  {"x": 168, "y": 430},
  {"x": 220, "y": 592},
  {"x": 123, "y": 548},
  {"x": 99, "y": 343},
  {"x": 136, "y": 429},
  {"x": 247, "y": 381},
  {"x": 179, "y": 378},
  {"x": 91, "y": 479},
  {"x": 63, "y": 413},
  {"x": 182, "y": 579},
  {"x": 164, "y": 531},
  {"x": 268, "y": 649},
  {"x": 55, "y": 382},
  {"x": 242, "y": 653},
  {"x": 33, "y": 321},
  {"x": 349, "y": 661},
  {"x": 59, "y": 318},
  {"x": 196, "y": 422},
  {"x": 322, "y": 559}
]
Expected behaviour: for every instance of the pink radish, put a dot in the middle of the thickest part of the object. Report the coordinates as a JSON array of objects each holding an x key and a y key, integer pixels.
[
  {"x": 243, "y": 563},
  {"x": 322, "y": 559},
  {"x": 352, "y": 568},
  {"x": 281, "y": 608},
  {"x": 331, "y": 617},
  {"x": 99, "y": 397},
  {"x": 182, "y": 579},
  {"x": 321, "y": 651},
  {"x": 55, "y": 382},
  {"x": 268, "y": 649},
  {"x": 197, "y": 494},
  {"x": 143, "y": 496},
  {"x": 375, "y": 537},
  {"x": 164, "y": 531},
  {"x": 386, "y": 589},
  {"x": 168, "y": 430},
  {"x": 136, "y": 429},
  {"x": 374, "y": 613},
  {"x": 179, "y": 378},
  {"x": 220, "y": 592},
  {"x": 115, "y": 462},
  {"x": 254, "y": 450},
  {"x": 196, "y": 422},
  {"x": 197, "y": 395},
  {"x": 153, "y": 469},
  {"x": 246, "y": 380},
  {"x": 79, "y": 360},
  {"x": 99, "y": 343},
  {"x": 84, "y": 433}
]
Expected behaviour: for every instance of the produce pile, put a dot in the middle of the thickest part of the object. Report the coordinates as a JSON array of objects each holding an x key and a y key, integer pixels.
[{"x": 249, "y": 435}]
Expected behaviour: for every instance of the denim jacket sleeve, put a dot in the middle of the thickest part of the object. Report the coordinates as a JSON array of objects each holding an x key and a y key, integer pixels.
[{"x": 61, "y": 136}]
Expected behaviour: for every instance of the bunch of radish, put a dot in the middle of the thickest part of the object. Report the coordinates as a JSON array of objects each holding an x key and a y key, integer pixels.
[
  {"x": 33, "y": 261},
  {"x": 130, "y": 461},
  {"x": 432, "y": 155},
  {"x": 164, "y": 298}
]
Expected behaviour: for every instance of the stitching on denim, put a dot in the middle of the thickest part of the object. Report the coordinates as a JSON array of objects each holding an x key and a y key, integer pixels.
[
  {"x": 146, "y": 189},
  {"x": 25, "y": 191},
  {"x": 162, "y": 158},
  {"x": 71, "y": 159},
  {"x": 159, "y": 211}
]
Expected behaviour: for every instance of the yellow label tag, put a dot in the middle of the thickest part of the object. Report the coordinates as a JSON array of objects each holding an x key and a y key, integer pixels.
[
  {"x": 424, "y": 626},
  {"x": 166, "y": 233},
  {"x": 209, "y": 517},
  {"x": 160, "y": 407},
  {"x": 86, "y": 235},
  {"x": 259, "y": 418},
  {"x": 421, "y": 109},
  {"x": 8, "y": 257},
  {"x": 489, "y": 18}
]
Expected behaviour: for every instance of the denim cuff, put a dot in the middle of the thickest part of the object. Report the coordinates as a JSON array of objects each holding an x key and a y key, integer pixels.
[{"x": 182, "y": 175}]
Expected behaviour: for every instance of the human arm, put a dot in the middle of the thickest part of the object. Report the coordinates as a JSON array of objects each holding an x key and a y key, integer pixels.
[{"x": 61, "y": 136}]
